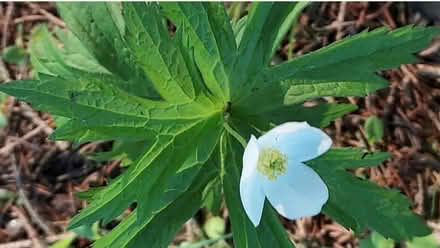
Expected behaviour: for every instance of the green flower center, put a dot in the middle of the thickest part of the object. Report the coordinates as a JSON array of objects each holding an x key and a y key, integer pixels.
[{"x": 272, "y": 163}]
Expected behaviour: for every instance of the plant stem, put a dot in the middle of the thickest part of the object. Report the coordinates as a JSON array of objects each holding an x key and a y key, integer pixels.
[{"x": 236, "y": 135}]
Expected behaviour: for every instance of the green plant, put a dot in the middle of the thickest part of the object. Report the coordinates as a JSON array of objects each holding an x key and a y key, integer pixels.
[
  {"x": 374, "y": 129},
  {"x": 375, "y": 240},
  {"x": 183, "y": 100}
]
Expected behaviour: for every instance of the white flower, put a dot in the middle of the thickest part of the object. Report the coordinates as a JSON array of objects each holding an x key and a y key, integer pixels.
[{"x": 273, "y": 168}]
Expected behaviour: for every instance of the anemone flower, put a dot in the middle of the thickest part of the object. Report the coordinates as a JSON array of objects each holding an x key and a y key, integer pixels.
[{"x": 273, "y": 167}]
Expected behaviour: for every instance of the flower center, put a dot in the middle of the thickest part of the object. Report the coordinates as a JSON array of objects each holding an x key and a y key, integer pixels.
[{"x": 272, "y": 163}]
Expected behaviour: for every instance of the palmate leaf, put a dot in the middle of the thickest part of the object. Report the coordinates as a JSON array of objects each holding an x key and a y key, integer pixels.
[
  {"x": 100, "y": 106},
  {"x": 206, "y": 26},
  {"x": 257, "y": 42},
  {"x": 47, "y": 57},
  {"x": 132, "y": 47},
  {"x": 344, "y": 68},
  {"x": 364, "y": 203},
  {"x": 178, "y": 208},
  {"x": 149, "y": 177},
  {"x": 100, "y": 27},
  {"x": 86, "y": 110},
  {"x": 94, "y": 106},
  {"x": 156, "y": 53}
]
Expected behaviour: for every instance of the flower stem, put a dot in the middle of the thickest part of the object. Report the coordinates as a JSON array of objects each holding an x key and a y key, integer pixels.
[{"x": 236, "y": 135}]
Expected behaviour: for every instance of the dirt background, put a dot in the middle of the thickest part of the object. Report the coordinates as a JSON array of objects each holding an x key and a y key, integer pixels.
[{"x": 38, "y": 177}]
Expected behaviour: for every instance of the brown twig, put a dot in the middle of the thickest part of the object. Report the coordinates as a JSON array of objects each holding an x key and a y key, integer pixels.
[
  {"x": 6, "y": 150},
  {"x": 48, "y": 15},
  {"x": 28, "y": 112},
  {"x": 27, "y": 204},
  {"x": 419, "y": 197},
  {"x": 340, "y": 19},
  {"x": 30, "y": 18},
  {"x": 335, "y": 26},
  {"x": 25, "y": 143},
  {"x": 33, "y": 234},
  {"x": 7, "y": 19},
  {"x": 360, "y": 21},
  {"x": 388, "y": 17},
  {"x": 378, "y": 12}
]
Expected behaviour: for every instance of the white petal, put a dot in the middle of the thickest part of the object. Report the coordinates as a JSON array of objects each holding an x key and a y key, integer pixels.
[
  {"x": 298, "y": 193},
  {"x": 250, "y": 157},
  {"x": 271, "y": 137},
  {"x": 251, "y": 191},
  {"x": 298, "y": 140},
  {"x": 252, "y": 198}
]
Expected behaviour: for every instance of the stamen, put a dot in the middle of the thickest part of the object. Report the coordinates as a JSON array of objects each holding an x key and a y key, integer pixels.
[{"x": 272, "y": 163}]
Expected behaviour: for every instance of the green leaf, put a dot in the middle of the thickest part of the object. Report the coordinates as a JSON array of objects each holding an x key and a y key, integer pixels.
[
  {"x": 270, "y": 232},
  {"x": 74, "y": 53},
  {"x": 218, "y": 243},
  {"x": 135, "y": 231},
  {"x": 257, "y": 42},
  {"x": 213, "y": 196},
  {"x": 364, "y": 203},
  {"x": 127, "y": 152},
  {"x": 288, "y": 24},
  {"x": 318, "y": 74},
  {"x": 244, "y": 232},
  {"x": 101, "y": 29},
  {"x": 148, "y": 176},
  {"x": 179, "y": 156},
  {"x": 430, "y": 241},
  {"x": 320, "y": 115},
  {"x": 236, "y": 10},
  {"x": 348, "y": 158},
  {"x": 262, "y": 33},
  {"x": 64, "y": 243},
  {"x": 207, "y": 27},
  {"x": 48, "y": 57},
  {"x": 375, "y": 240},
  {"x": 374, "y": 129},
  {"x": 90, "y": 102},
  {"x": 156, "y": 53},
  {"x": 239, "y": 28},
  {"x": 364, "y": 53},
  {"x": 15, "y": 55},
  {"x": 98, "y": 106},
  {"x": 99, "y": 111},
  {"x": 89, "y": 232}
]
